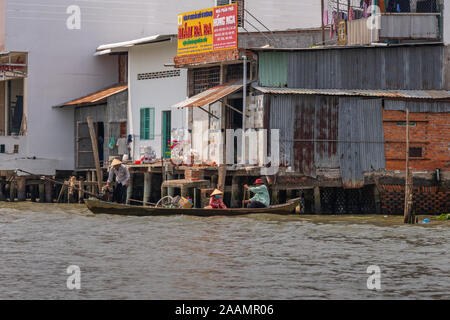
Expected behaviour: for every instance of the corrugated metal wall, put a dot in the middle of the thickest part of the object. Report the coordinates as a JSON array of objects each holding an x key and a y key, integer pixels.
[
  {"x": 273, "y": 69},
  {"x": 417, "y": 106},
  {"x": 361, "y": 139},
  {"x": 303, "y": 121},
  {"x": 324, "y": 132},
  {"x": 392, "y": 68}
]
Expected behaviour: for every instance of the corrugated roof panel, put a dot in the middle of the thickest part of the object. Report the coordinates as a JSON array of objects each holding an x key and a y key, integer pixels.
[
  {"x": 401, "y": 94},
  {"x": 97, "y": 97},
  {"x": 210, "y": 96}
]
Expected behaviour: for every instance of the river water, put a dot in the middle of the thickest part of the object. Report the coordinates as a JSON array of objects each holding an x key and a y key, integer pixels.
[{"x": 250, "y": 257}]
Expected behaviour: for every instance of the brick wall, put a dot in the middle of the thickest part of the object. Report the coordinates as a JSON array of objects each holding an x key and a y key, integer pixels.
[
  {"x": 431, "y": 133},
  {"x": 426, "y": 200},
  {"x": 207, "y": 57}
]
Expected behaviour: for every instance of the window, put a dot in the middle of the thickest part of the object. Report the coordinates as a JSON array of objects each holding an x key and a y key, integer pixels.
[
  {"x": 403, "y": 124},
  {"x": 240, "y": 9},
  {"x": 415, "y": 152},
  {"x": 147, "y": 124},
  {"x": 205, "y": 78}
]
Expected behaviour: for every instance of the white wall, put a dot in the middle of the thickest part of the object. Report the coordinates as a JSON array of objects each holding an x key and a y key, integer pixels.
[{"x": 160, "y": 94}]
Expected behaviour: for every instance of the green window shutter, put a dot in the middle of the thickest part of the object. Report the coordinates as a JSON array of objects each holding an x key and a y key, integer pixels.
[
  {"x": 145, "y": 113},
  {"x": 147, "y": 124},
  {"x": 151, "y": 123}
]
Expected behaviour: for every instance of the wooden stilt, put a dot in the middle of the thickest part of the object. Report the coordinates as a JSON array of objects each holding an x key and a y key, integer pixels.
[
  {"x": 147, "y": 186},
  {"x": 94, "y": 180},
  {"x": 236, "y": 193},
  {"x": 21, "y": 188},
  {"x": 41, "y": 188},
  {"x": 80, "y": 192},
  {"x": 12, "y": 191},
  {"x": 275, "y": 196},
  {"x": 222, "y": 177},
  {"x": 317, "y": 202},
  {"x": 33, "y": 192},
  {"x": 2, "y": 195},
  {"x": 48, "y": 191}
]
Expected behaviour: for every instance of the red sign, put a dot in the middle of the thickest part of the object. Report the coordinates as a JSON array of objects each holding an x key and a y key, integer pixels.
[{"x": 225, "y": 27}]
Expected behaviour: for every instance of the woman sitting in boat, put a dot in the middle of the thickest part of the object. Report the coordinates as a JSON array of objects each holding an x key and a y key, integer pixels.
[
  {"x": 261, "y": 198},
  {"x": 216, "y": 200}
]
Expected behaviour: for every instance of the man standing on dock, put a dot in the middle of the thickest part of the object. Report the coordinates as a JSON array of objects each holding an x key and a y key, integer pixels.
[{"x": 122, "y": 181}]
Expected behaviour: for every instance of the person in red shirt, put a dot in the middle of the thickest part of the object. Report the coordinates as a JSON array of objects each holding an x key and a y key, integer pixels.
[{"x": 216, "y": 200}]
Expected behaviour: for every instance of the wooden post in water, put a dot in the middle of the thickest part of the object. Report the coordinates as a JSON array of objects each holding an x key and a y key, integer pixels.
[
  {"x": 236, "y": 192},
  {"x": 12, "y": 191},
  {"x": 222, "y": 177},
  {"x": 94, "y": 143},
  {"x": 48, "y": 191},
  {"x": 408, "y": 215},
  {"x": 317, "y": 202},
  {"x": 21, "y": 188},
  {"x": 41, "y": 188},
  {"x": 33, "y": 192},
  {"x": 2, "y": 196}
]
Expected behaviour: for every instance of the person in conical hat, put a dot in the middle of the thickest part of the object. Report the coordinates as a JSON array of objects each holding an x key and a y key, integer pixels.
[
  {"x": 216, "y": 200},
  {"x": 122, "y": 174}
]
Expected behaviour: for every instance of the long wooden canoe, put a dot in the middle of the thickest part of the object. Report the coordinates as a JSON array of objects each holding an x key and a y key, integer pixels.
[{"x": 102, "y": 207}]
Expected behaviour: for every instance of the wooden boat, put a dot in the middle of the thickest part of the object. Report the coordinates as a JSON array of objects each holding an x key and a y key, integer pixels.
[{"x": 102, "y": 207}]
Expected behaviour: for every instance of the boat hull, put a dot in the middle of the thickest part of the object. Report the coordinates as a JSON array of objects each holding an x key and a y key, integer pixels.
[{"x": 102, "y": 207}]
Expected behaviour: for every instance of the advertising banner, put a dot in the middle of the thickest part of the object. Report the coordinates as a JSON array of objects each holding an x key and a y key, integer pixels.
[{"x": 207, "y": 30}]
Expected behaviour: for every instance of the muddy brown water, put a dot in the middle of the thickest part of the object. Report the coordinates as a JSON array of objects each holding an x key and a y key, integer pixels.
[{"x": 249, "y": 257}]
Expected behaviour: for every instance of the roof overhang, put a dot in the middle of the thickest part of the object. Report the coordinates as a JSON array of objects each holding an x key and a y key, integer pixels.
[
  {"x": 210, "y": 96},
  {"x": 126, "y": 45},
  {"x": 393, "y": 94},
  {"x": 97, "y": 98}
]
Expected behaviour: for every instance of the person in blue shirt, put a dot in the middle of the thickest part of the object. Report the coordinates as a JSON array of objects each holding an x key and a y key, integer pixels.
[{"x": 261, "y": 199}]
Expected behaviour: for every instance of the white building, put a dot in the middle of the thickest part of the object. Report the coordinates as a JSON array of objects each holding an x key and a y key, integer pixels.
[
  {"x": 152, "y": 88},
  {"x": 54, "y": 41}
]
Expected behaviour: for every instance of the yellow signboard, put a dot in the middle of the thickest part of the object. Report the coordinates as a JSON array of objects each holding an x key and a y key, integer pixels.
[{"x": 207, "y": 30}]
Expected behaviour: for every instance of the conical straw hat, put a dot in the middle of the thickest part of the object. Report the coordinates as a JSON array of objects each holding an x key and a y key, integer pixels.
[
  {"x": 216, "y": 192},
  {"x": 116, "y": 162}
]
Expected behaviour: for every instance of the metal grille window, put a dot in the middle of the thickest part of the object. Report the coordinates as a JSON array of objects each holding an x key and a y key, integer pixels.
[
  {"x": 240, "y": 9},
  {"x": 415, "y": 152},
  {"x": 206, "y": 78},
  {"x": 158, "y": 75}
]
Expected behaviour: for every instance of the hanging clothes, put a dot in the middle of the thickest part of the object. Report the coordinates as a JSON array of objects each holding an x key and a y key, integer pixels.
[{"x": 112, "y": 143}]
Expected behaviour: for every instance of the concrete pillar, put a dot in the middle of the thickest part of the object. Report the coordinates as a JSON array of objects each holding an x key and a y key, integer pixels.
[
  {"x": 170, "y": 191},
  {"x": 130, "y": 188},
  {"x": 317, "y": 203},
  {"x": 21, "y": 188},
  {"x": 147, "y": 186}
]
